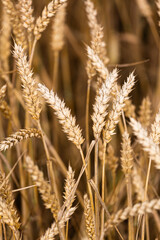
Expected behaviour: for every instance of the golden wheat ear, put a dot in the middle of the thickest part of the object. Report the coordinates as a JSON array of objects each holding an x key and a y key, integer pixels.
[
  {"x": 18, "y": 137},
  {"x": 146, "y": 141},
  {"x": 29, "y": 84},
  {"x": 137, "y": 209},
  {"x": 118, "y": 105},
  {"x": 47, "y": 13},
  {"x": 44, "y": 187},
  {"x": 8, "y": 212},
  {"x": 89, "y": 219},
  {"x": 101, "y": 103},
  {"x": 63, "y": 113}
]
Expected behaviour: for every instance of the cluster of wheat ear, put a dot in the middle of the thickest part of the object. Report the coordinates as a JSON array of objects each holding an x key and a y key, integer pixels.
[{"x": 113, "y": 159}]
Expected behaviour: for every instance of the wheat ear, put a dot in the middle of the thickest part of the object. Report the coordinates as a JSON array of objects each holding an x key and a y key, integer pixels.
[
  {"x": 27, "y": 14},
  {"x": 97, "y": 63},
  {"x": 58, "y": 28},
  {"x": 17, "y": 26},
  {"x": 47, "y": 13},
  {"x": 97, "y": 35},
  {"x": 89, "y": 219},
  {"x": 155, "y": 129},
  {"x": 145, "y": 112},
  {"x": 18, "y": 137},
  {"x": 2, "y": 92},
  {"x": 30, "y": 92},
  {"x": 8, "y": 212},
  {"x": 5, "y": 43},
  {"x": 118, "y": 105},
  {"x": 63, "y": 113},
  {"x": 158, "y": 11},
  {"x": 44, "y": 187},
  {"x": 6, "y": 217},
  {"x": 138, "y": 184},
  {"x": 146, "y": 141},
  {"x": 137, "y": 209},
  {"x": 53, "y": 231},
  {"x": 101, "y": 103}
]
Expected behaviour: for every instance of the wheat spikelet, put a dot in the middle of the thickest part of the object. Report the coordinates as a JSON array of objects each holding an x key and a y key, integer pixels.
[
  {"x": 5, "y": 40},
  {"x": 101, "y": 103},
  {"x": 63, "y": 113},
  {"x": 17, "y": 26},
  {"x": 44, "y": 187},
  {"x": 89, "y": 219},
  {"x": 155, "y": 129},
  {"x": 138, "y": 184},
  {"x": 126, "y": 154},
  {"x": 47, "y": 13},
  {"x": 137, "y": 209},
  {"x": 18, "y": 137},
  {"x": 145, "y": 112},
  {"x": 58, "y": 28},
  {"x": 27, "y": 14},
  {"x": 69, "y": 185},
  {"x": 146, "y": 141},
  {"x": 97, "y": 63},
  {"x": 29, "y": 84},
  {"x": 53, "y": 231},
  {"x": 118, "y": 105}
]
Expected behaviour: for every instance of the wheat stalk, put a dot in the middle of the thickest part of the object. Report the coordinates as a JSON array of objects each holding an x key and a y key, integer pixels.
[
  {"x": 146, "y": 141},
  {"x": 18, "y": 137},
  {"x": 63, "y": 113}
]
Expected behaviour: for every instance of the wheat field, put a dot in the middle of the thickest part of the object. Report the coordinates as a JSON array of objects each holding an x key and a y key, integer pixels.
[{"x": 79, "y": 119}]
